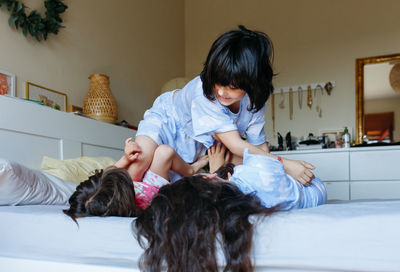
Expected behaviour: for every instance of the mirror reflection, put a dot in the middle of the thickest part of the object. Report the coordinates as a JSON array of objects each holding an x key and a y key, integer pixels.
[
  {"x": 381, "y": 103},
  {"x": 378, "y": 99}
]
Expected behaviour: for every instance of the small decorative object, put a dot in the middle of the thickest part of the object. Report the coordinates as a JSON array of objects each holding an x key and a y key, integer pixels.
[
  {"x": 48, "y": 97},
  {"x": 34, "y": 24},
  {"x": 309, "y": 97},
  {"x": 125, "y": 123},
  {"x": 328, "y": 87},
  {"x": 288, "y": 139},
  {"x": 99, "y": 102},
  {"x": 280, "y": 141},
  {"x": 338, "y": 141},
  {"x": 394, "y": 77},
  {"x": 73, "y": 108},
  {"x": 7, "y": 83},
  {"x": 346, "y": 138}
]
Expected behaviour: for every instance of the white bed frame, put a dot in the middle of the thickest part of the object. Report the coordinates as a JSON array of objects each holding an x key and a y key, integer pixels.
[{"x": 29, "y": 131}]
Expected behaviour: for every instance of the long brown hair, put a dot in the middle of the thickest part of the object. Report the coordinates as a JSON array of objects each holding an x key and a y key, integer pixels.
[
  {"x": 106, "y": 193},
  {"x": 180, "y": 228}
]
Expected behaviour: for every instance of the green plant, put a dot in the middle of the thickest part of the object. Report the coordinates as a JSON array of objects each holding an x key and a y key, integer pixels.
[{"x": 34, "y": 24}]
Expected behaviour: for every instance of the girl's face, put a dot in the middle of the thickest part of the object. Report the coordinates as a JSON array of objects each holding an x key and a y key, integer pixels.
[{"x": 229, "y": 96}]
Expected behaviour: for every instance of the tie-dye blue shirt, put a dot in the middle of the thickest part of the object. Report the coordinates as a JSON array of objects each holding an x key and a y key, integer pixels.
[
  {"x": 265, "y": 177},
  {"x": 186, "y": 120}
]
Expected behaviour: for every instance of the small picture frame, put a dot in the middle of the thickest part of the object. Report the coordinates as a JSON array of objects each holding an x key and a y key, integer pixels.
[
  {"x": 7, "y": 83},
  {"x": 73, "y": 108},
  {"x": 48, "y": 97}
]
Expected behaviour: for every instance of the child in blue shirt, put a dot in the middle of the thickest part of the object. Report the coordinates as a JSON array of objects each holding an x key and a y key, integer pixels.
[
  {"x": 264, "y": 177},
  {"x": 226, "y": 102}
]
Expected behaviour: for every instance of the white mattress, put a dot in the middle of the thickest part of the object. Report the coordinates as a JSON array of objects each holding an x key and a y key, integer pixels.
[{"x": 353, "y": 236}]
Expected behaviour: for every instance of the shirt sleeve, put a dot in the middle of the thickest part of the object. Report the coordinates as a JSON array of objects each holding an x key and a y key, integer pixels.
[
  {"x": 255, "y": 133},
  {"x": 209, "y": 118}
]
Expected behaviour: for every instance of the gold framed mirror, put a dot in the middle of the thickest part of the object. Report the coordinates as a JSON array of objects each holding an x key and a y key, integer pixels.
[{"x": 360, "y": 85}]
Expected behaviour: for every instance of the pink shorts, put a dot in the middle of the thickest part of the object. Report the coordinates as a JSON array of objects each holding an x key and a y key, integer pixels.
[{"x": 147, "y": 189}]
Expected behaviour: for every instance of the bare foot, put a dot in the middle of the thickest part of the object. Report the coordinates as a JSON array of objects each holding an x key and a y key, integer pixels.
[{"x": 200, "y": 163}]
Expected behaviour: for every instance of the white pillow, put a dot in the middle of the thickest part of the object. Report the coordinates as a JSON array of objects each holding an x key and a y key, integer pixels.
[
  {"x": 75, "y": 170},
  {"x": 20, "y": 185}
]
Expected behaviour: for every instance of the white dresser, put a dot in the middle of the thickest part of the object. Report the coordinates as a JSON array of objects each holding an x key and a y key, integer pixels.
[{"x": 355, "y": 173}]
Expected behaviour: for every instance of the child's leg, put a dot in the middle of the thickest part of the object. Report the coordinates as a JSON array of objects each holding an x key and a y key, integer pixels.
[
  {"x": 165, "y": 158},
  {"x": 137, "y": 169}
]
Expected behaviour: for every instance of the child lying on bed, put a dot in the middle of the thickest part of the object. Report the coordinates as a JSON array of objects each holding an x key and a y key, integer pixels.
[
  {"x": 110, "y": 192},
  {"x": 191, "y": 215},
  {"x": 265, "y": 177}
]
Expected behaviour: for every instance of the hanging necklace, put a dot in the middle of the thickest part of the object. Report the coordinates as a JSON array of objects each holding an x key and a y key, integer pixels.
[
  {"x": 282, "y": 103},
  {"x": 309, "y": 96},
  {"x": 291, "y": 104},
  {"x": 300, "y": 96}
]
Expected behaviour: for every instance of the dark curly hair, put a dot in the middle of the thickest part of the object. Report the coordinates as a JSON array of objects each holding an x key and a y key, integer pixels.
[
  {"x": 181, "y": 227},
  {"x": 242, "y": 59},
  {"x": 106, "y": 193}
]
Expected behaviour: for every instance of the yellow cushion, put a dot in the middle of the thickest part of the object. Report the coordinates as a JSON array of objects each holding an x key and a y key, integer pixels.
[{"x": 75, "y": 170}]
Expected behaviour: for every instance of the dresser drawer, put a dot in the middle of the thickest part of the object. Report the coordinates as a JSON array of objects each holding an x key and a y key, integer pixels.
[
  {"x": 332, "y": 166},
  {"x": 375, "y": 165},
  {"x": 338, "y": 190},
  {"x": 375, "y": 190}
]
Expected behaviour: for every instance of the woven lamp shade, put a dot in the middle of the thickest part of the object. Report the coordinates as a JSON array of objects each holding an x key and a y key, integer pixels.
[
  {"x": 394, "y": 78},
  {"x": 99, "y": 102}
]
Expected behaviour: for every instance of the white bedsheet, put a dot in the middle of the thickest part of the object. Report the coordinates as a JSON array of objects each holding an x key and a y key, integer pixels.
[{"x": 354, "y": 236}]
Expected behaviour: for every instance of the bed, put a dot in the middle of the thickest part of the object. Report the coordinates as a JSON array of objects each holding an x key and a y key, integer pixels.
[{"x": 339, "y": 236}]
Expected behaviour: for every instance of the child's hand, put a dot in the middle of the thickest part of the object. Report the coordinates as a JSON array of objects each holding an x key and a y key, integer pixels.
[
  {"x": 131, "y": 150},
  {"x": 299, "y": 170},
  {"x": 216, "y": 156}
]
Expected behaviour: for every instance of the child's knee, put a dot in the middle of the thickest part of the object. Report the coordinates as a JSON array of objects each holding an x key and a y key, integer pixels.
[{"x": 164, "y": 153}]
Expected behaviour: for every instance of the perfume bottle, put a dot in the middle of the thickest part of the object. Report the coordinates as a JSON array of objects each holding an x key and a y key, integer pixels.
[{"x": 346, "y": 138}]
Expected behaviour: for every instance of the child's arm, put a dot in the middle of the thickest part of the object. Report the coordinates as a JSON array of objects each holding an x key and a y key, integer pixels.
[{"x": 299, "y": 170}]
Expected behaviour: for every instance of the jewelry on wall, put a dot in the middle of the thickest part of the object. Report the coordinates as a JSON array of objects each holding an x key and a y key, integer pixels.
[
  {"x": 321, "y": 86},
  {"x": 328, "y": 87},
  {"x": 282, "y": 103},
  {"x": 291, "y": 104},
  {"x": 309, "y": 97},
  {"x": 300, "y": 96},
  {"x": 318, "y": 98}
]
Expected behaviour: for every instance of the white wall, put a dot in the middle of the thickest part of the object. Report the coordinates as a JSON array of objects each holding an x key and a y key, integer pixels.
[
  {"x": 314, "y": 40},
  {"x": 139, "y": 44},
  {"x": 143, "y": 44}
]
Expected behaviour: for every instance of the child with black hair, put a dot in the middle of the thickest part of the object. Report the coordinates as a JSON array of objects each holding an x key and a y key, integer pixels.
[
  {"x": 111, "y": 192},
  {"x": 226, "y": 102}
]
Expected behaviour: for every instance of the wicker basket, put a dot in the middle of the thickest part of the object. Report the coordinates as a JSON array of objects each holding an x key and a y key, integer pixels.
[
  {"x": 99, "y": 102},
  {"x": 394, "y": 78}
]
